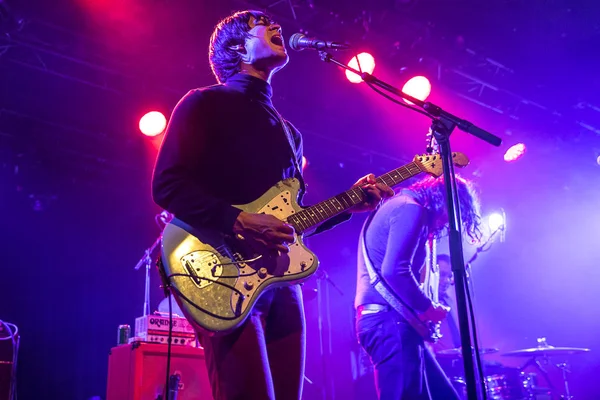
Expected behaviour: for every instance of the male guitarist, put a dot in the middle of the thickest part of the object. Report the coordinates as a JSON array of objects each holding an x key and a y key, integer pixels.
[
  {"x": 226, "y": 144},
  {"x": 395, "y": 239}
]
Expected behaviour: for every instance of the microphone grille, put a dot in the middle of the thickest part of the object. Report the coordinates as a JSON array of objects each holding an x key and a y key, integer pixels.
[{"x": 294, "y": 40}]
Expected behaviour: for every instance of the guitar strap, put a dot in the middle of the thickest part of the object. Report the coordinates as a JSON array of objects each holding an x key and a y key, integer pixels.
[
  {"x": 290, "y": 139},
  {"x": 376, "y": 280}
]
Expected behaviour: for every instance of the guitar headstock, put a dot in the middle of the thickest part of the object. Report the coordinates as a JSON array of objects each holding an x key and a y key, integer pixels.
[{"x": 432, "y": 163}]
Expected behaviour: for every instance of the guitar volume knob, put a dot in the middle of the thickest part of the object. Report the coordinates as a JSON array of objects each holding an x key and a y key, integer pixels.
[
  {"x": 262, "y": 273},
  {"x": 248, "y": 285}
]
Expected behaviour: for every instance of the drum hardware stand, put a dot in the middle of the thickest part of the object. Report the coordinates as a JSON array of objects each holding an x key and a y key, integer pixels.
[
  {"x": 564, "y": 367},
  {"x": 443, "y": 123},
  {"x": 538, "y": 365}
]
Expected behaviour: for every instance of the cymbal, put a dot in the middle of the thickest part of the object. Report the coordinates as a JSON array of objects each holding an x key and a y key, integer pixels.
[
  {"x": 546, "y": 351},
  {"x": 457, "y": 352}
]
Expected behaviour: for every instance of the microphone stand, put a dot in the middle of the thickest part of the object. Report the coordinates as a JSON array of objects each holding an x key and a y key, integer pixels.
[
  {"x": 443, "y": 123},
  {"x": 147, "y": 260}
]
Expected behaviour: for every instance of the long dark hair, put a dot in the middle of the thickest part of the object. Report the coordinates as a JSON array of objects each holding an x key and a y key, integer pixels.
[
  {"x": 430, "y": 193},
  {"x": 230, "y": 31}
]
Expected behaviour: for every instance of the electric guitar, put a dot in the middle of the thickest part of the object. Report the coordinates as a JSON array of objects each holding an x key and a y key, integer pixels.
[{"x": 216, "y": 279}]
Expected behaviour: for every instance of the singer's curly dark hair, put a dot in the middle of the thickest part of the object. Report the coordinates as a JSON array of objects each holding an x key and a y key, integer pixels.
[
  {"x": 430, "y": 192},
  {"x": 230, "y": 31}
]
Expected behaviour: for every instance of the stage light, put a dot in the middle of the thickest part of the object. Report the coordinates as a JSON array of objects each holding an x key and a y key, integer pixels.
[
  {"x": 497, "y": 224},
  {"x": 418, "y": 87},
  {"x": 153, "y": 123},
  {"x": 495, "y": 221},
  {"x": 515, "y": 152},
  {"x": 367, "y": 64}
]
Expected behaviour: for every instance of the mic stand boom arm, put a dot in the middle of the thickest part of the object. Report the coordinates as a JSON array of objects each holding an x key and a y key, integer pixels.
[
  {"x": 442, "y": 126},
  {"x": 147, "y": 260},
  {"x": 432, "y": 109}
]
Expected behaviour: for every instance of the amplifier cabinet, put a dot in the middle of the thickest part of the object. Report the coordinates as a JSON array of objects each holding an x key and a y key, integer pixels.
[{"x": 137, "y": 371}]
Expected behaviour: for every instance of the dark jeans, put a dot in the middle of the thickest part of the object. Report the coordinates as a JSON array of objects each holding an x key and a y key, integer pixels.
[
  {"x": 404, "y": 368},
  {"x": 264, "y": 358}
]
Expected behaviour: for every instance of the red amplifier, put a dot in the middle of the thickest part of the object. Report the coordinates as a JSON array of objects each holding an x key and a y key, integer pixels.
[{"x": 137, "y": 371}]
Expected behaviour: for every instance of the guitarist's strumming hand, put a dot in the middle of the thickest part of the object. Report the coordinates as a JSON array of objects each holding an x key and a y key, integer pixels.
[
  {"x": 264, "y": 232},
  {"x": 435, "y": 313},
  {"x": 375, "y": 191}
]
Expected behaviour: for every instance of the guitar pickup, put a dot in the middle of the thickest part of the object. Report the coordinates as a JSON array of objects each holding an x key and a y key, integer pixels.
[{"x": 190, "y": 270}]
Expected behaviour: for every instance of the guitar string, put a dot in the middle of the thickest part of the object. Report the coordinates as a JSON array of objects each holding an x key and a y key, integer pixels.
[
  {"x": 216, "y": 280},
  {"x": 304, "y": 216},
  {"x": 230, "y": 263},
  {"x": 224, "y": 276},
  {"x": 228, "y": 286}
]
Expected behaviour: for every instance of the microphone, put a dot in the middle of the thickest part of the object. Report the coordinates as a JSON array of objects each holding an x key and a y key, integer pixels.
[{"x": 299, "y": 42}]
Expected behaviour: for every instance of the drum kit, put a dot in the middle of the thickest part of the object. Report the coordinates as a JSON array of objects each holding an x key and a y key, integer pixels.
[{"x": 508, "y": 383}]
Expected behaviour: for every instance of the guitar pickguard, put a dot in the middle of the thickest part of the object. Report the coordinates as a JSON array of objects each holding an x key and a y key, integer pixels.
[
  {"x": 203, "y": 267},
  {"x": 284, "y": 266},
  {"x": 280, "y": 206}
]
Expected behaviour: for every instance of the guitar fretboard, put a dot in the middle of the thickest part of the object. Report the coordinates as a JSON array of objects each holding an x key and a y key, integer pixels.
[{"x": 314, "y": 215}]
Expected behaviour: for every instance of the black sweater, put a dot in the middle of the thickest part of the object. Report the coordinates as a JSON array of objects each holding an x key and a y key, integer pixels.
[{"x": 224, "y": 145}]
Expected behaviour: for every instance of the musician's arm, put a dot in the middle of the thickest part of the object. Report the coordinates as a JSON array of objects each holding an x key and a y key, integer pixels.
[
  {"x": 173, "y": 186},
  {"x": 407, "y": 224}
]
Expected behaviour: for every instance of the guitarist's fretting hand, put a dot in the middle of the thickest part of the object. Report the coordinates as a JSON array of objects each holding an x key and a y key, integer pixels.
[
  {"x": 264, "y": 232},
  {"x": 375, "y": 191}
]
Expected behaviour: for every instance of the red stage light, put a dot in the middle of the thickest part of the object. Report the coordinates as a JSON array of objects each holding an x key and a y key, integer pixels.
[
  {"x": 418, "y": 87},
  {"x": 304, "y": 163},
  {"x": 153, "y": 123},
  {"x": 367, "y": 64},
  {"x": 515, "y": 152}
]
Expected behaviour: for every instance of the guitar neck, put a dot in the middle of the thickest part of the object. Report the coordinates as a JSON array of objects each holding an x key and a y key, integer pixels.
[{"x": 314, "y": 215}]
